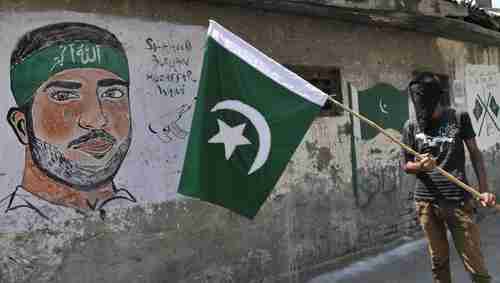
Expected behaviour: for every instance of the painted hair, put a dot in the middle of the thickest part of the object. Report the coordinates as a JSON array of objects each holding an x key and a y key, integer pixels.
[
  {"x": 50, "y": 49},
  {"x": 54, "y": 34}
]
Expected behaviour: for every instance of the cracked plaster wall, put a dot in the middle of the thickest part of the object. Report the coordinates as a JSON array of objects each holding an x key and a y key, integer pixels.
[{"x": 311, "y": 219}]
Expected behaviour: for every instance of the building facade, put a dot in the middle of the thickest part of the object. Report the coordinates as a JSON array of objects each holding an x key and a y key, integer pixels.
[{"x": 343, "y": 193}]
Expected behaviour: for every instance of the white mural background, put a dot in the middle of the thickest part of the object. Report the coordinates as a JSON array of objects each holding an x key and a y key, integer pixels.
[
  {"x": 165, "y": 63},
  {"x": 483, "y": 102}
]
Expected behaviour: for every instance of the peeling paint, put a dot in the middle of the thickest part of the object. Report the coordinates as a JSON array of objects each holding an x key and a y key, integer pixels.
[
  {"x": 311, "y": 217},
  {"x": 324, "y": 157}
]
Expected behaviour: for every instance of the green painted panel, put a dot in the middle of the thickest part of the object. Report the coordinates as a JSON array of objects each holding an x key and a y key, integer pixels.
[{"x": 384, "y": 105}]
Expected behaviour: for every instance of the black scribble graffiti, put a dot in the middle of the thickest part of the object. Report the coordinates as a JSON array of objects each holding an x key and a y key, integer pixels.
[
  {"x": 168, "y": 46},
  {"x": 166, "y": 128},
  {"x": 378, "y": 178},
  {"x": 172, "y": 63},
  {"x": 171, "y": 77}
]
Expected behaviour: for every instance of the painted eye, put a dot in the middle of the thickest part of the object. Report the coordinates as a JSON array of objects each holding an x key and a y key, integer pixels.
[
  {"x": 63, "y": 95},
  {"x": 113, "y": 93}
]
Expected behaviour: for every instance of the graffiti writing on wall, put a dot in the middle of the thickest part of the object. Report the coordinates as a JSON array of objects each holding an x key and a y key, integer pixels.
[
  {"x": 483, "y": 98},
  {"x": 172, "y": 79},
  {"x": 378, "y": 178},
  {"x": 172, "y": 66},
  {"x": 375, "y": 159}
]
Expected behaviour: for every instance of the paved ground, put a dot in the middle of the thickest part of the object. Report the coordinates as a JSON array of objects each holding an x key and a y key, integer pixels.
[{"x": 409, "y": 263}]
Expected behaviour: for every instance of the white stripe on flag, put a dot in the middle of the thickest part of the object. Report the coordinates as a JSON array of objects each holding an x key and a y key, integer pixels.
[{"x": 265, "y": 65}]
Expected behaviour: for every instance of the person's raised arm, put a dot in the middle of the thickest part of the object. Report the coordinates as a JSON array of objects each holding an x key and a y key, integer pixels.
[
  {"x": 487, "y": 198},
  {"x": 476, "y": 157}
]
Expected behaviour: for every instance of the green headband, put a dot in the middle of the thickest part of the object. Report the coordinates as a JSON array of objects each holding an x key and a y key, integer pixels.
[{"x": 27, "y": 76}]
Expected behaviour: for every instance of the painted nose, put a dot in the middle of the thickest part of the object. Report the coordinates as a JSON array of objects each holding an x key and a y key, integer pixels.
[{"x": 93, "y": 119}]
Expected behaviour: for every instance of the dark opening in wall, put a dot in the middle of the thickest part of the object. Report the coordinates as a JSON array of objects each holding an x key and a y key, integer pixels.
[{"x": 326, "y": 79}]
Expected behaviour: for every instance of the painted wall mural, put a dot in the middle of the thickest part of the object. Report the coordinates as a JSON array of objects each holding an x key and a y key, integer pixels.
[
  {"x": 483, "y": 99},
  {"x": 70, "y": 82},
  {"x": 376, "y": 171},
  {"x": 99, "y": 114},
  {"x": 385, "y": 105},
  {"x": 167, "y": 126}
]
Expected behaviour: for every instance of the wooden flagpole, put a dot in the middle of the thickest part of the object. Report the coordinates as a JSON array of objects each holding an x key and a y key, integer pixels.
[{"x": 450, "y": 177}]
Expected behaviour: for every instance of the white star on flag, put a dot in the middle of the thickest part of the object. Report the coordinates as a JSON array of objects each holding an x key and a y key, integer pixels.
[{"x": 231, "y": 137}]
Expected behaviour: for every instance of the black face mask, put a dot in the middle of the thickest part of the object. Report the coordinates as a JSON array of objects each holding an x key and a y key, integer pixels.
[{"x": 425, "y": 94}]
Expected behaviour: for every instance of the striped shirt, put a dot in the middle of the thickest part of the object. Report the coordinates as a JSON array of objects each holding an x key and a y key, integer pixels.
[{"x": 445, "y": 142}]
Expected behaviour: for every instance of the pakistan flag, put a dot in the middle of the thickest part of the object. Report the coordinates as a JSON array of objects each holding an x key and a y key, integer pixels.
[{"x": 251, "y": 114}]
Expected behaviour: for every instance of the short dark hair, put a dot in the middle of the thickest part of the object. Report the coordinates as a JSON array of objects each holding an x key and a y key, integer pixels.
[
  {"x": 426, "y": 82},
  {"x": 54, "y": 34}
]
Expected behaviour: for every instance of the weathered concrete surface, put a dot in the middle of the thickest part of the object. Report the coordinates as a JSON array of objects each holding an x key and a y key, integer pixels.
[
  {"x": 428, "y": 17},
  {"x": 427, "y": 7},
  {"x": 410, "y": 263},
  {"x": 313, "y": 218}
]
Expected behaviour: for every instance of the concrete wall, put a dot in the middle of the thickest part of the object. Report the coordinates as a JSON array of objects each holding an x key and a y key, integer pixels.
[{"x": 316, "y": 216}]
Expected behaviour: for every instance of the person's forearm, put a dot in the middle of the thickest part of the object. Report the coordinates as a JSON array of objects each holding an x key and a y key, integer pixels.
[
  {"x": 412, "y": 167},
  {"x": 479, "y": 169}
]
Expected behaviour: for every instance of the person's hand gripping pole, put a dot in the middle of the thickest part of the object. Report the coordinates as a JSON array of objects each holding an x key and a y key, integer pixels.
[
  {"x": 425, "y": 162},
  {"x": 486, "y": 199}
]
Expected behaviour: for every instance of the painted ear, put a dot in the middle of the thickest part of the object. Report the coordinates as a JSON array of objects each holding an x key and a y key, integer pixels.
[{"x": 17, "y": 120}]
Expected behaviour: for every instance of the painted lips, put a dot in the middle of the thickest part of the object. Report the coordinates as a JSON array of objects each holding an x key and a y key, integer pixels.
[
  {"x": 97, "y": 143},
  {"x": 96, "y": 147}
]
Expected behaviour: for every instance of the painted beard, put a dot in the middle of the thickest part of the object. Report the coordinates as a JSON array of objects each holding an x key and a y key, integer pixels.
[{"x": 50, "y": 158}]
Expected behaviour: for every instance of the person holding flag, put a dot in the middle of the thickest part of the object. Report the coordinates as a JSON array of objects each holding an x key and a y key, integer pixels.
[
  {"x": 438, "y": 134},
  {"x": 251, "y": 114}
]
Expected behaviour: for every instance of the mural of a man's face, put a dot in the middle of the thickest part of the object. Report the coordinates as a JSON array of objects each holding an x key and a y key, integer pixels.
[{"x": 79, "y": 127}]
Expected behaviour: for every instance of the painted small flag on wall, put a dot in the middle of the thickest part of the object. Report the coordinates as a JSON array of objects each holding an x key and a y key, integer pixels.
[{"x": 251, "y": 114}]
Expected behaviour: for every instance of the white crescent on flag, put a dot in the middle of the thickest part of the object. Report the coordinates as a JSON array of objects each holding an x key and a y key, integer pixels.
[
  {"x": 260, "y": 124},
  {"x": 382, "y": 106}
]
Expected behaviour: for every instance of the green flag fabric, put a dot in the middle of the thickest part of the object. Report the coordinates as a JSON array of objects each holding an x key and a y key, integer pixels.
[
  {"x": 384, "y": 105},
  {"x": 251, "y": 114}
]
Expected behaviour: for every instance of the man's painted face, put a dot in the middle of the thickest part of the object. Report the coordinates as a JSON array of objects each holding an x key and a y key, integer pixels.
[{"x": 79, "y": 129}]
